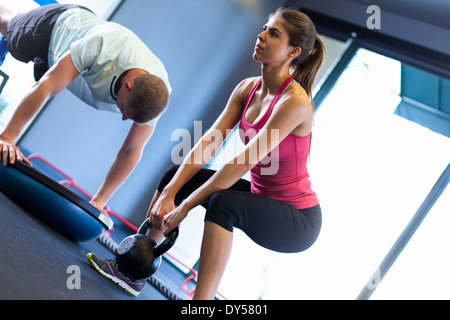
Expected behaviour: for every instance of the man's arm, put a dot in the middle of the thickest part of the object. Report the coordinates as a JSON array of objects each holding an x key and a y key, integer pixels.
[
  {"x": 54, "y": 81},
  {"x": 128, "y": 157}
]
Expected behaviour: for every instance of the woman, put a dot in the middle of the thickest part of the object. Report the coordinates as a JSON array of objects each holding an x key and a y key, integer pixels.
[{"x": 278, "y": 210}]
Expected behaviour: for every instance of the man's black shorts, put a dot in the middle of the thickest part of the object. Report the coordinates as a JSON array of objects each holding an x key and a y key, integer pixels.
[{"x": 29, "y": 33}]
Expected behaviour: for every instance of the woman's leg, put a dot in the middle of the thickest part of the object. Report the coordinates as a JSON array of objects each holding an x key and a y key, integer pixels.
[
  {"x": 198, "y": 180},
  {"x": 191, "y": 186},
  {"x": 215, "y": 252},
  {"x": 271, "y": 223}
]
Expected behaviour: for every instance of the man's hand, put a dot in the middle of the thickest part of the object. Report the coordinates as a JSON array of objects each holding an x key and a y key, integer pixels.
[
  {"x": 99, "y": 206},
  {"x": 11, "y": 152}
]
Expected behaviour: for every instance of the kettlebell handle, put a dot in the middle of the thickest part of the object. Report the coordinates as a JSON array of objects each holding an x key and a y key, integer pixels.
[
  {"x": 166, "y": 244},
  {"x": 145, "y": 227}
]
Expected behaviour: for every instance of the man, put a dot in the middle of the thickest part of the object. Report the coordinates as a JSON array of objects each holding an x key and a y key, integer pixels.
[{"x": 102, "y": 63}]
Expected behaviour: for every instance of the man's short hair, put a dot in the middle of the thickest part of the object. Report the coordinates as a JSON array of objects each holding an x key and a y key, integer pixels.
[{"x": 148, "y": 98}]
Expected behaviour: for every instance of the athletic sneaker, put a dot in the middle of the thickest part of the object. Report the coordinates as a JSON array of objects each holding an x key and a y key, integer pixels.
[
  {"x": 3, "y": 50},
  {"x": 109, "y": 269}
]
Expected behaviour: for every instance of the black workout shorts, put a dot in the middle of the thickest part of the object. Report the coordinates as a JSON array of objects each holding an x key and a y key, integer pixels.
[
  {"x": 29, "y": 33},
  {"x": 271, "y": 223}
]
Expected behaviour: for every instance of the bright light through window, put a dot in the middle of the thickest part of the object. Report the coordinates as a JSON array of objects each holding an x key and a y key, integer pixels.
[{"x": 371, "y": 170}]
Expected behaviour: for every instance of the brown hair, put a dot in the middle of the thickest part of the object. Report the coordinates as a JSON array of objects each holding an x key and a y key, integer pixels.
[
  {"x": 302, "y": 33},
  {"x": 148, "y": 99}
]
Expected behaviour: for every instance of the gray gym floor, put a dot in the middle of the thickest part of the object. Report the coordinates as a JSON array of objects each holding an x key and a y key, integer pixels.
[{"x": 34, "y": 262}]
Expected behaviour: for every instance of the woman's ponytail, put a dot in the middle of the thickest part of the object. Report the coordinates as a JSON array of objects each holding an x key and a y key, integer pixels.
[
  {"x": 302, "y": 33},
  {"x": 305, "y": 71}
]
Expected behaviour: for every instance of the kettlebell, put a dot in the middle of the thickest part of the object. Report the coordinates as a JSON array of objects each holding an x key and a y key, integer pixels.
[{"x": 139, "y": 256}]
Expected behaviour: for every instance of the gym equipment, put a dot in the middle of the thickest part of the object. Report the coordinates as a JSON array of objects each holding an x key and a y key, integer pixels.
[
  {"x": 60, "y": 208},
  {"x": 138, "y": 256},
  {"x": 113, "y": 246}
]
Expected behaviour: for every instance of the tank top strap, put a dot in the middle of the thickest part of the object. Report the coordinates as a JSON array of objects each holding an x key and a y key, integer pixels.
[
  {"x": 251, "y": 94},
  {"x": 280, "y": 92},
  {"x": 267, "y": 114}
]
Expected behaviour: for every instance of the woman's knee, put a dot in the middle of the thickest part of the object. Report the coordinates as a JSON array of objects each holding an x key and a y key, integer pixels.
[
  {"x": 168, "y": 175},
  {"x": 223, "y": 209}
]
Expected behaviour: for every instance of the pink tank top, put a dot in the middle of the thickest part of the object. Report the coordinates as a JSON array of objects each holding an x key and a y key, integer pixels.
[{"x": 282, "y": 175}]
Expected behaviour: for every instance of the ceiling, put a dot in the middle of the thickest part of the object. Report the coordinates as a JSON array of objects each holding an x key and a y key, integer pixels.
[
  {"x": 425, "y": 23},
  {"x": 435, "y": 12}
]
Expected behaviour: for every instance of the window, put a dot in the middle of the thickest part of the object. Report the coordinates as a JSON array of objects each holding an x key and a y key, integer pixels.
[
  {"x": 371, "y": 169},
  {"x": 425, "y": 99}
]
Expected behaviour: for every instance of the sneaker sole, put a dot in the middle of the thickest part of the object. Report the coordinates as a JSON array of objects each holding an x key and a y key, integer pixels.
[{"x": 121, "y": 283}]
